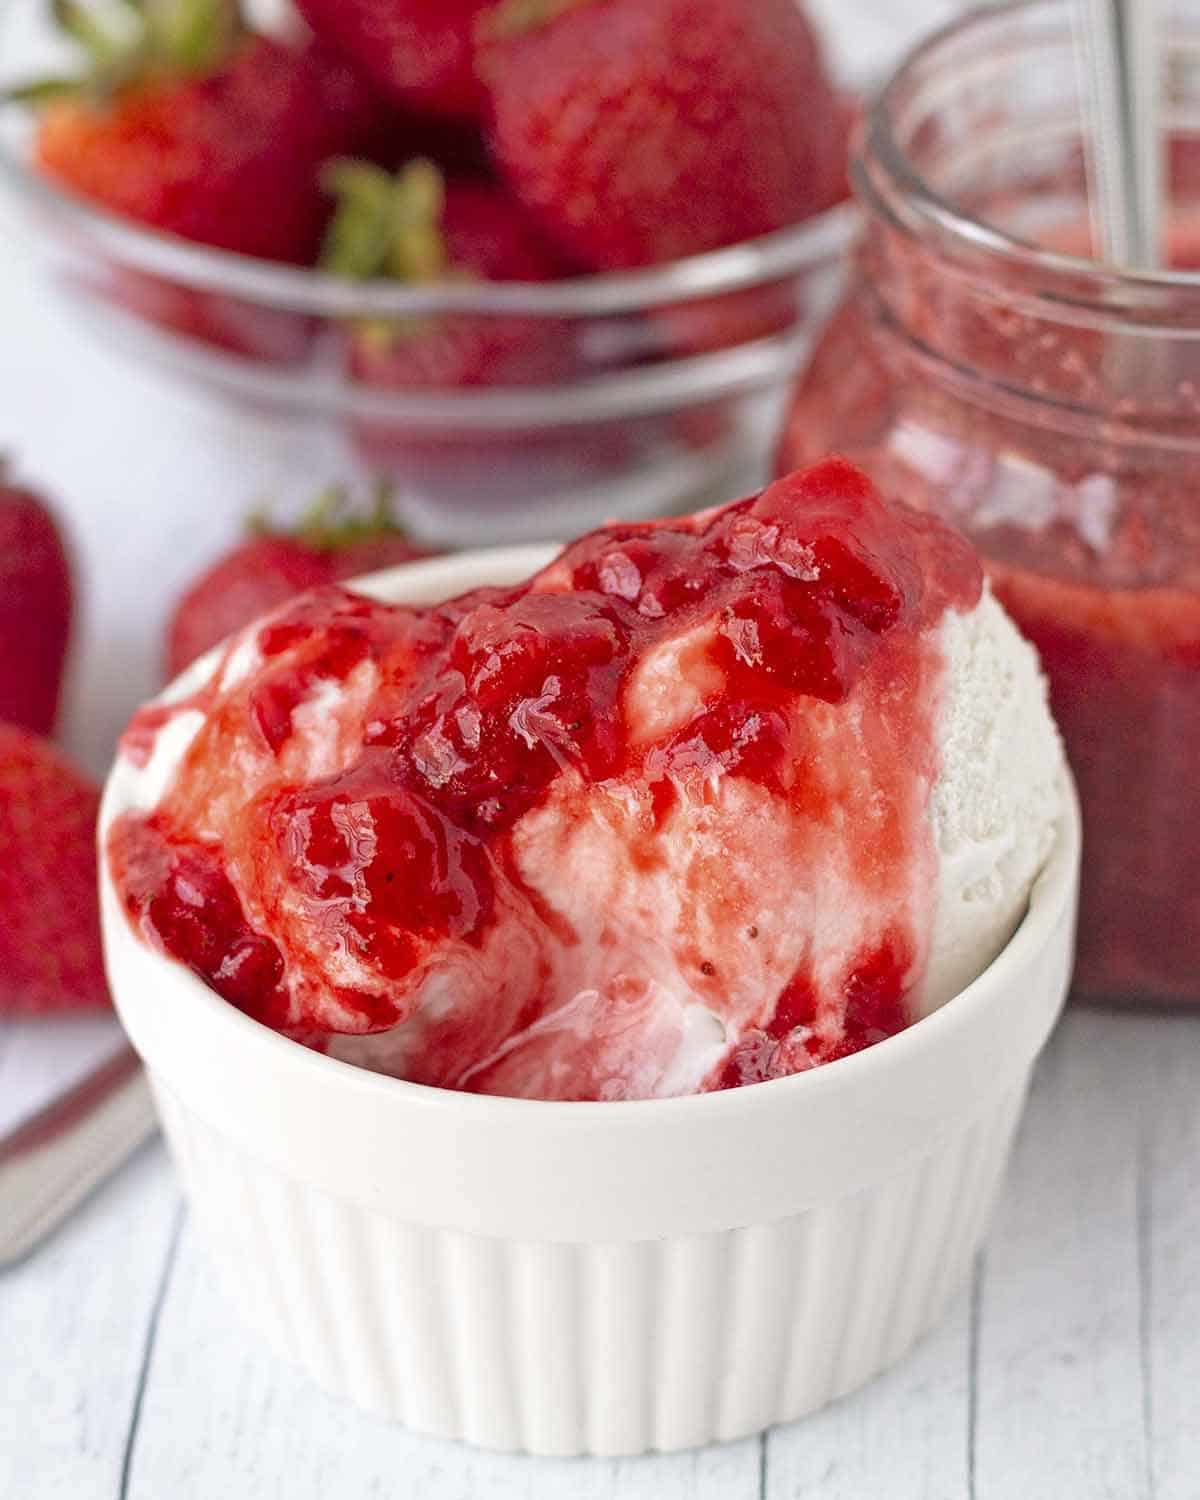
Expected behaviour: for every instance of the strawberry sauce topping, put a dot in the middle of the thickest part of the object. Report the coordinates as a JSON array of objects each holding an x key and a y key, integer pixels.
[{"x": 650, "y": 823}]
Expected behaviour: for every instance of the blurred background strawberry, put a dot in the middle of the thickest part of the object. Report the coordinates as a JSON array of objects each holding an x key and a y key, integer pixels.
[
  {"x": 333, "y": 542},
  {"x": 36, "y": 607},
  {"x": 421, "y": 228},
  {"x": 639, "y": 131},
  {"x": 49, "y": 922},
  {"x": 50, "y": 933},
  {"x": 420, "y": 51},
  {"x": 185, "y": 121}
]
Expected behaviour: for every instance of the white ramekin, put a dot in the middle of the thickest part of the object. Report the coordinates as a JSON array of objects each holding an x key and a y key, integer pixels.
[{"x": 593, "y": 1278}]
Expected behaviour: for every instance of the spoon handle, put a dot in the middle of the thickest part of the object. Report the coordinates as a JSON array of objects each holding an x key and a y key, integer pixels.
[
  {"x": 53, "y": 1160},
  {"x": 1121, "y": 44}
]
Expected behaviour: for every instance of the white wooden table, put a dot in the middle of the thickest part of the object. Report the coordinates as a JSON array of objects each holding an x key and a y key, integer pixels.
[{"x": 1070, "y": 1370}]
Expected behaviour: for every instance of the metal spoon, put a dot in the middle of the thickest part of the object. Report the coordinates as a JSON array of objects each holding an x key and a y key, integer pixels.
[
  {"x": 1121, "y": 44},
  {"x": 52, "y": 1161}
]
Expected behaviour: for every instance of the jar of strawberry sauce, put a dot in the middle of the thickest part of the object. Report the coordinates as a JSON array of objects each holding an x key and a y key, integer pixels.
[{"x": 985, "y": 366}]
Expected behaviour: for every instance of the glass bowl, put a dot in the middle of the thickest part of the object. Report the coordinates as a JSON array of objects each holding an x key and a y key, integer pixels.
[{"x": 660, "y": 389}]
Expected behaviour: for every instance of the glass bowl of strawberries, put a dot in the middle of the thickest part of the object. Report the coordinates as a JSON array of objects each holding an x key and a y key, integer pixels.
[{"x": 530, "y": 260}]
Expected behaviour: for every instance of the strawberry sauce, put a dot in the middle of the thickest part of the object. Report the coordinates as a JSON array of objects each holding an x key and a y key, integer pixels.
[
  {"x": 1124, "y": 670},
  {"x": 650, "y": 823}
]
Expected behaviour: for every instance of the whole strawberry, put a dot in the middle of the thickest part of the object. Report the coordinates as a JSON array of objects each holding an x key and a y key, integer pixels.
[
  {"x": 35, "y": 610},
  {"x": 190, "y": 124},
  {"x": 50, "y": 937},
  {"x": 421, "y": 228},
  {"x": 639, "y": 131},
  {"x": 419, "y": 51},
  {"x": 269, "y": 567}
]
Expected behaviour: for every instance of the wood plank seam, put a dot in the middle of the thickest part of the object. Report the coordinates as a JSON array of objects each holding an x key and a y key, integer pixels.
[
  {"x": 151, "y": 1336},
  {"x": 978, "y": 1273},
  {"x": 1145, "y": 1229}
]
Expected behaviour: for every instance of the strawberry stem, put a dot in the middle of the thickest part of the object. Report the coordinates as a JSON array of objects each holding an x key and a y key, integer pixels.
[
  {"x": 381, "y": 509},
  {"x": 317, "y": 524},
  {"x": 126, "y": 41},
  {"x": 192, "y": 36},
  {"x": 332, "y": 522},
  {"x": 41, "y": 91},
  {"x": 383, "y": 225},
  {"x": 258, "y": 522},
  {"x": 105, "y": 39},
  {"x": 512, "y": 17},
  {"x": 356, "y": 240},
  {"x": 418, "y": 250}
]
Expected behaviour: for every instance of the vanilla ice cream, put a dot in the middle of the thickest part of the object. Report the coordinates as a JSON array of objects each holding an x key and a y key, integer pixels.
[{"x": 704, "y": 803}]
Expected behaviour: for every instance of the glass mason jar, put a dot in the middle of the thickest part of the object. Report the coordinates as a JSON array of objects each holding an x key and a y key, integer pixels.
[{"x": 983, "y": 364}]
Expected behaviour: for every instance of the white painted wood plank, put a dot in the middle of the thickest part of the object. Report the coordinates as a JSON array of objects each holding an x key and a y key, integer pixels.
[
  {"x": 1059, "y": 1399},
  {"x": 1170, "y": 1228},
  {"x": 73, "y": 1327},
  {"x": 904, "y": 1436},
  {"x": 222, "y": 1417},
  {"x": 41, "y": 1056}
]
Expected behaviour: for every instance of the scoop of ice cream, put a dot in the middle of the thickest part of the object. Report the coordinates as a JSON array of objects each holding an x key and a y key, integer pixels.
[{"x": 703, "y": 803}]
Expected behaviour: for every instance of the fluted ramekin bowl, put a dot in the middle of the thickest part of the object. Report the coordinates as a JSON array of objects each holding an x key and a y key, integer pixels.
[{"x": 605, "y": 1278}]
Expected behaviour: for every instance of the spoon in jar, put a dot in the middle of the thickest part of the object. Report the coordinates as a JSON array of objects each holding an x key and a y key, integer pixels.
[{"x": 1121, "y": 49}]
